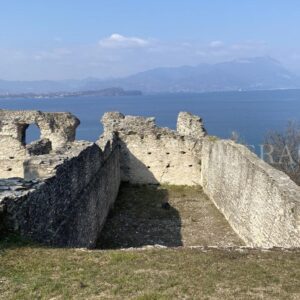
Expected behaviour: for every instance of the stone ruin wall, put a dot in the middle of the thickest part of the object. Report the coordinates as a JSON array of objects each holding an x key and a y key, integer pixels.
[
  {"x": 80, "y": 180},
  {"x": 154, "y": 155},
  {"x": 261, "y": 203},
  {"x": 65, "y": 194},
  {"x": 69, "y": 208},
  {"x": 57, "y": 129}
]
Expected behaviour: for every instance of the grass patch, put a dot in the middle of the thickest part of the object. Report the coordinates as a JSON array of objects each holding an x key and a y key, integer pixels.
[
  {"x": 213, "y": 138},
  {"x": 34, "y": 272}
]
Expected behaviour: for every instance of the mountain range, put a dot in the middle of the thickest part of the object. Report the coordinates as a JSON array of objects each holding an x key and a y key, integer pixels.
[{"x": 259, "y": 73}]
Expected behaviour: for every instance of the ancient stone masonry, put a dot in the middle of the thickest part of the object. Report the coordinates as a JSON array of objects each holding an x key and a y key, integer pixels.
[
  {"x": 65, "y": 195},
  {"x": 190, "y": 125},
  {"x": 57, "y": 130},
  {"x": 261, "y": 203},
  {"x": 70, "y": 206},
  {"x": 151, "y": 155},
  {"x": 59, "y": 191}
]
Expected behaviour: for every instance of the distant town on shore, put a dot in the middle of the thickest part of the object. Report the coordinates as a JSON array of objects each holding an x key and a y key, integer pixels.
[{"x": 109, "y": 92}]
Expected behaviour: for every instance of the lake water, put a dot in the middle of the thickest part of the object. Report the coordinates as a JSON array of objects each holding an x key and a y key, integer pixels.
[{"x": 251, "y": 114}]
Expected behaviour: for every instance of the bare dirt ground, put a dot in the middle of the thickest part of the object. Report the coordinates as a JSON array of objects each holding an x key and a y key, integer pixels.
[{"x": 170, "y": 216}]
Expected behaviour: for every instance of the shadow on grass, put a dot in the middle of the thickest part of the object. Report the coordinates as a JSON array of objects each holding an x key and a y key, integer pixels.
[
  {"x": 141, "y": 216},
  {"x": 14, "y": 241}
]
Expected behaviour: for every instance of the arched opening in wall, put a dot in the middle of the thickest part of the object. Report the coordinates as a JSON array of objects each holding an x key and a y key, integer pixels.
[
  {"x": 32, "y": 133},
  {"x": 30, "y": 137}
]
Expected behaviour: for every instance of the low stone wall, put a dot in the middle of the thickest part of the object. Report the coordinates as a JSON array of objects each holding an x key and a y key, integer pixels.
[
  {"x": 261, "y": 203},
  {"x": 69, "y": 207},
  {"x": 152, "y": 155}
]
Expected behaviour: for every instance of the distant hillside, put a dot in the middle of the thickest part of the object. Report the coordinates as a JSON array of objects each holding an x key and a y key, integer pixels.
[
  {"x": 261, "y": 73},
  {"x": 247, "y": 74}
]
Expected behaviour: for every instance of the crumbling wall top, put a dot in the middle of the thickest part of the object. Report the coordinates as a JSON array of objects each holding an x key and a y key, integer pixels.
[
  {"x": 190, "y": 125},
  {"x": 187, "y": 125},
  {"x": 117, "y": 122},
  {"x": 56, "y": 131},
  {"x": 59, "y": 128}
]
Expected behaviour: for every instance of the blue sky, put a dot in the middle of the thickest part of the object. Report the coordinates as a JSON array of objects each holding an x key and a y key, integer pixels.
[{"x": 53, "y": 39}]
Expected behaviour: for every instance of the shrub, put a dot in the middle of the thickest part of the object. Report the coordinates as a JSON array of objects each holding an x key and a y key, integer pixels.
[{"x": 282, "y": 150}]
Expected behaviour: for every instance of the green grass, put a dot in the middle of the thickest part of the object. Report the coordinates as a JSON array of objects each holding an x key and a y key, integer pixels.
[
  {"x": 213, "y": 138},
  {"x": 29, "y": 271}
]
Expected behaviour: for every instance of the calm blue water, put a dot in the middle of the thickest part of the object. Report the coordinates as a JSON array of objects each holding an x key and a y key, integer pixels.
[{"x": 252, "y": 114}]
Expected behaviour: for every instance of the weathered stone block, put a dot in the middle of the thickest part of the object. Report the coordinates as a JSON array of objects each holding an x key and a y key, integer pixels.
[
  {"x": 39, "y": 147},
  {"x": 190, "y": 125},
  {"x": 58, "y": 128}
]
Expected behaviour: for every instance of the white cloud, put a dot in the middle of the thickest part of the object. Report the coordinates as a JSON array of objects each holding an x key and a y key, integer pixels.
[
  {"x": 216, "y": 44},
  {"x": 119, "y": 41}
]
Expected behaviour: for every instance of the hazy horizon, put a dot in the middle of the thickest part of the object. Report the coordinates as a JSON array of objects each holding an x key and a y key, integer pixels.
[
  {"x": 146, "y": 70},
  {"x": 51, "y": 40}
]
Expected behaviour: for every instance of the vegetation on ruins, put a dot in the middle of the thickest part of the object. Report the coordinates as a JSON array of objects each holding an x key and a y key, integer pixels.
[{"x": 282, "y": 150}]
